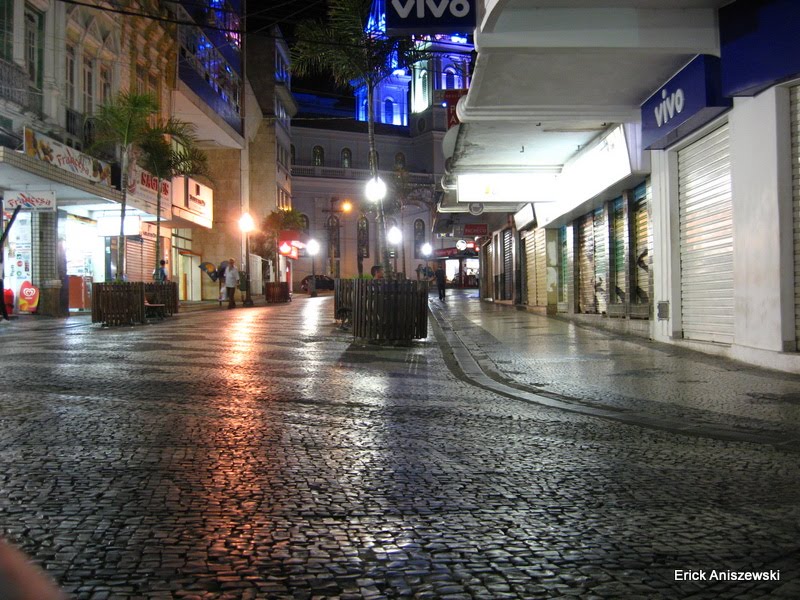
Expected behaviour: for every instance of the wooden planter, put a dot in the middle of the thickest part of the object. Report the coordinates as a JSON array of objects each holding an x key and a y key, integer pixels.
[
  {"x": 277, "y": 292},
  {"x": 382, "y": 309},
  {"x": 123, "y": 303}
]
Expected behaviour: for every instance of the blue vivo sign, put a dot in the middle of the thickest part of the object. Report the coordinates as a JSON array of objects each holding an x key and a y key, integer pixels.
[
  {"x": 686, "y": 102},
  {"x": 430, "y": 16}
]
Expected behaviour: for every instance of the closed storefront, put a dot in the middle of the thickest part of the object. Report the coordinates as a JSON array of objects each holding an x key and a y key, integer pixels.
[
  {"x": 706, "y": 238},
  {"x": 140, "y": 257},
  {"x": 507, "y": 276},
  {"x": 535, "y": 268},
  {"x": 641, "y": 242},
  {"x": 592, "y": 263},
  {"x": 618, "y": 281}
]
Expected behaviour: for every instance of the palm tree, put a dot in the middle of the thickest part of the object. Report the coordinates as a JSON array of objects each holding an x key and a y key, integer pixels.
[
  {"x": 355, "y": 52},
  {"x": 166, "y": 160},
  {"x": 122, "y": 124}
]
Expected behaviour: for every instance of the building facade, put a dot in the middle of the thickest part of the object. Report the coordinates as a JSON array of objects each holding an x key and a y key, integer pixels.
[{"x": 58, "y": 63}]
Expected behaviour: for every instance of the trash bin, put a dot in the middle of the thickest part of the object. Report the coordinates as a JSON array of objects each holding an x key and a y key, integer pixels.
[
  {"x": 8, "y": 298},
  {"x": 242, "y": 281}
]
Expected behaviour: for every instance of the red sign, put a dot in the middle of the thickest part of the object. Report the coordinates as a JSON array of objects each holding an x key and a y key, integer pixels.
[
  {"x": 28, "y": 297},
  {"x": 476, "y": 229},
  {"x": 288, "y": 250},
  {"x": 451, "y": 98}
]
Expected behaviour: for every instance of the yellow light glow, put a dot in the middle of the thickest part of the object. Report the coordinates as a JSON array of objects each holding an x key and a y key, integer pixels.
[{"x": 347, "y": 206}]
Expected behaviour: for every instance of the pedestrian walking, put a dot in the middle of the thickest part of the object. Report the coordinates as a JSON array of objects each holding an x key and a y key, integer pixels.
[
  {"x": 441, "y": 281},
  {"x": 231, "y": 281}
]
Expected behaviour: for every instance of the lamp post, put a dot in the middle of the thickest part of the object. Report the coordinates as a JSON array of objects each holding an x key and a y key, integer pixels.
[
  {"x": 333, "y": 232},
  {"x": 395, "y": 237},
  {"x": 427, "y": 250},
  {"x": 376, "y": 191},
  {"x": 246, "y": 225},
  {"x": 312, "y": 248}
]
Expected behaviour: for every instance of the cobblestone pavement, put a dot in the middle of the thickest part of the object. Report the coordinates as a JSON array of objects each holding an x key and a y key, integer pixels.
[{"x": 259, "y": 453}]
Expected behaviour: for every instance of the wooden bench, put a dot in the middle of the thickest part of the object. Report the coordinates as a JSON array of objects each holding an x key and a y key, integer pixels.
[{"x": 154, "y": 310}]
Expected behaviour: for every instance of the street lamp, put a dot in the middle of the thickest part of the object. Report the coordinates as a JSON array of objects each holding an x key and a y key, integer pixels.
[
  {"x": 395, "y": 237},
  {"x": 246, "y": 225},
  {"x": 312, "y": 248},
  {"x": 426, "y": 250},
  {"x": 376, "y": 191}
]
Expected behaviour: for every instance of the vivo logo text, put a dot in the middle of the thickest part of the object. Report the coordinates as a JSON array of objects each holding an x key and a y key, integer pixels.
[
  {"x": 670, "y": 106},
  {"x": 458, "y": 8}
]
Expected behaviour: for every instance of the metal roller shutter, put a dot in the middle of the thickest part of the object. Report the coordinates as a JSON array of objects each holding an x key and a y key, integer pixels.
[
  {"x": 508, "y": 265},
  {"x": 586, "y": 301},
  {"x": 133, "y": 259},
  {"x": 642, "y": 254},
  {"x": 541, "y": 267},
  {"x": 706, "y": 246},
  {"x": 600, "y": 261},
  {"x": 619, "y": 291},
  {"x": 795, "y": 113},
  {"x": 536, "y": 268},
  {"x": 530, "y": 269}
]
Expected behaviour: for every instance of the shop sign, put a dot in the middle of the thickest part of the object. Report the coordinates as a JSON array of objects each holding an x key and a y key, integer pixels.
[
  {"x": 148, "y": 231},
  {"x": 143, "y": 192},
  {"x": 192, "y": 201},
  {"x": 689, "y": 100},
  {"x": 430, "y": 16},
  {"x": 476, "y": 229},
  {"x": 68, "y": 159},
  {"x": 30, "y": 201},
  {"x": 451, "y": 97},
  {"x": 288, "y": 250}
]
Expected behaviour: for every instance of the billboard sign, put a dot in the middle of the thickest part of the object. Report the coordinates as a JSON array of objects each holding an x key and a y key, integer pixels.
[
  {"x": 430, "y": 16},
  {"x": 30, "y": 201}
]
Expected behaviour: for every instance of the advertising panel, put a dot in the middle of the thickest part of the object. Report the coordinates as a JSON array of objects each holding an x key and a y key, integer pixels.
[
  {"x": 192, "y": 201},
  {"x": 68, "y": 159},
  {"x": 143, "y": 192}
]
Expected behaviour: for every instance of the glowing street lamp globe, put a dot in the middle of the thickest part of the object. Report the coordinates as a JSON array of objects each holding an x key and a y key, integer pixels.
[
  {"x": 376, "y": 189},
  {"x": 427, "y": 249},
  {"x": 394, "y": 235}
]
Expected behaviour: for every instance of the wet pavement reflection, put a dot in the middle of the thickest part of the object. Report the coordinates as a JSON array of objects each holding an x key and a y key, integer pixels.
[{"x": 262, "y": 453}]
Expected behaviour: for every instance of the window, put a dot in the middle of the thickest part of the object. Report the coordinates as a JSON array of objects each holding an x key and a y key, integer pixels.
[
  {"x": 69, "y": 75},
  {"x": 363, "y": 237},
  {"x": 304, "y": 223},
  {"x": 88, "y": 86},
  {"x": 6, "y": 29},
  {"x": 388, "y": 111},
  {"x": 449, "y": 78},
  {"x": 347, "y": 158},
  {"x": 318, "y": 156},
  {"x": 293, "y": 153},
  {"x": 399, "y": 161},
  {"x": 105, "y": 85},
  {"x": 34, "y": 42},
  {"x": 419, "y": 238},
  {"x": 333, "y": 237}
]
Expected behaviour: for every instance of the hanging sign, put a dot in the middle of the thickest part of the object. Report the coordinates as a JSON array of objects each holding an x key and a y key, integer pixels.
[
  {"x": 30, "y": 201},
  {"x": 430, "y": 16}
]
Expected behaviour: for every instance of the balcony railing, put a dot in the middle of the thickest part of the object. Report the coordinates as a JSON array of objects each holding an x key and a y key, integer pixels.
[
  {"x": 15, "y": 87},
  {"x": 299, "y": 170}
]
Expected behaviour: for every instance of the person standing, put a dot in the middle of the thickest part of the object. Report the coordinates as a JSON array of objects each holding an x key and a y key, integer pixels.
[
  {"x": 231, "y": 281},
  {"x": 161, "y": 272},
  {"x": 441, "y": 281}
]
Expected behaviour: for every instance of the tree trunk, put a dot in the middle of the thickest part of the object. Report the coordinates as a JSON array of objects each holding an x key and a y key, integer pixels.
[
  {"x": 158, "y": 229},
  {"x": 121, "y": 240},
  {"x": 383, "y": 255}
]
